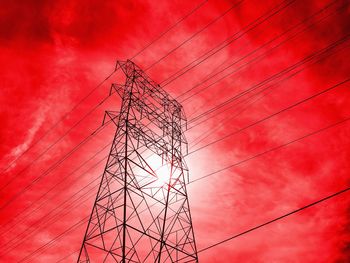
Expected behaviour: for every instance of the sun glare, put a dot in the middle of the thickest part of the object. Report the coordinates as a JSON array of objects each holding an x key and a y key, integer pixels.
[
  {"x": 162, "y": 170},
  {"x": 163, "y": 174}
]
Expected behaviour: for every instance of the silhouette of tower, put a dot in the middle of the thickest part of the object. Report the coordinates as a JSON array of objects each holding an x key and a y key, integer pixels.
[{"x": 141, "y": 212}]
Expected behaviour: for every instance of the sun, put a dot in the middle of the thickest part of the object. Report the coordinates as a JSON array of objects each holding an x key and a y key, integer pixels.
[
  {"x": 162, "y": 170},
  {"x": 163, "y": 174}
]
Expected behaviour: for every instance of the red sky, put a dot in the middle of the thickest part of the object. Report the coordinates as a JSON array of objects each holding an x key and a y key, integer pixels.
[{"x": 53, "y": 53}]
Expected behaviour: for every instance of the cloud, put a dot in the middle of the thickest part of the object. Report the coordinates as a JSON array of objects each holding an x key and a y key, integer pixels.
[{"x": 40, "y": 117}]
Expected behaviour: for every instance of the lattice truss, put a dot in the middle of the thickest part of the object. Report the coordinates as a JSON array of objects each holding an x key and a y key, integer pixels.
[{"x": 141, "y": 213}]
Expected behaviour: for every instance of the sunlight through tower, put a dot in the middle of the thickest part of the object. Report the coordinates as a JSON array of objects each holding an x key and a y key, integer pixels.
[{"x": 141, "y": 212}]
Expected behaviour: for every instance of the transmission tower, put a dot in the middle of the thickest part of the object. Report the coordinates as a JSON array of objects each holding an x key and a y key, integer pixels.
[{"x": 141, "y": 212}]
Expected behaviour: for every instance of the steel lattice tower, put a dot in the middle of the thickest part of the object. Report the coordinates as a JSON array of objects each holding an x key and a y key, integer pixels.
[{"x": 141, "y": 212}]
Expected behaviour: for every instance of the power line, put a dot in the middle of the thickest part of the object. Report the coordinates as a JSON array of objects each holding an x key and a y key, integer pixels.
[
  {"x": 283, "y": 145},
  {"x": 46, "y": 201},
  {"x": 65, "y": 207},
  {"x": 239, "y": 95},
  {"x": 294, "y": 105},
  {"x": 26, "y": 167},
  {"x": 195, "y": 34},
  {"x": 273, "y": 115},
  {"x": 261, "y": 83},
  {"x": 99, "y": 85},
  {"x": 18, "y": 236},
  {"x": 258, "y": 58},
  {"x": 320, "y": 54},
  {"x": 69, "y": 174},
  {"x": 60, "y": 138},
  {"x": 275, "y": 76},
  {"x": 55, "y": 187},
  {"x": 58, "y": 122},
  {"x": 170, "y": 28},
  {"x": 52, "y": 145},
  {"x": 345, "y": 190},
  {"x": 26, "y": 230},
  {"x": 323, "y": 129},
  {"x": 260, "y": 153},
  {"x": 58, "y": 237},
  {"x": 247, "y": 99},
  {"x": 51, "y": 168},
  {"x": 61, "y": 181},
  {"x": 80, "y": 222},
  {"x": 256, "y": 22},
  {"x": 283, "y": 110},
  {"x": 273, "y": 149},
  {"x": 71, "y": 254},
  {"x": 248, "y": 105},
  {"x": 255, "y": 156},
  {"x": 57, "y": 141}
]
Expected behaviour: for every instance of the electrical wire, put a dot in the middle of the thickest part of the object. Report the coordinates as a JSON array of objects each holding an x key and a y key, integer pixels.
[
  {"x": 12, "y": 179},
  {"x": 272, "y": 149},
  {"x": 26, "y": 231},
  {"x": 1, "y": 207},
  {"x": 273, "y": 77},
  {"x": 321, "y": 93},
  {"x": 84, "y": 220},
  {"x": 58, "y": 122},
  {"x": 268, "y": 90},
  {"x": 272, "y": 115},
  {"x": 91, "y": 92},
  {"x": 318, "y": 94},
  {"x": 229, "y": 40},
  {"x": 52, "y": 167},
  {"x": 195, "y": 34},
  {"x": 326, "y": 198},
  {"x": 267, "y": 52},
  {"x": 170, "y": 28}
]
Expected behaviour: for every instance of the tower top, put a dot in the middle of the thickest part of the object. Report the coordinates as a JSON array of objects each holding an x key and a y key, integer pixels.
[{"x": 149, "y": 88}]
